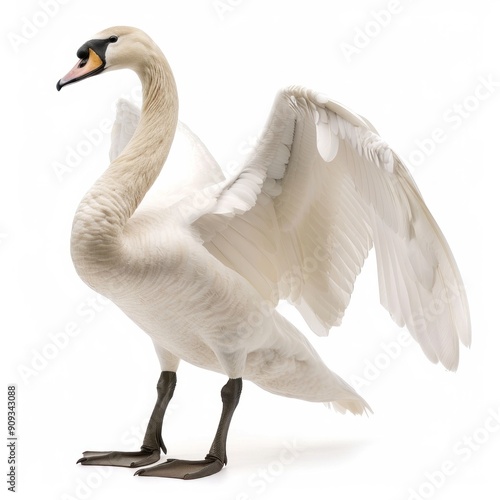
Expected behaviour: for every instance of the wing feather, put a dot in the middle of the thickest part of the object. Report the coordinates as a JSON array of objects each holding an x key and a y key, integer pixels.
[{"x": 320, "y": 189}]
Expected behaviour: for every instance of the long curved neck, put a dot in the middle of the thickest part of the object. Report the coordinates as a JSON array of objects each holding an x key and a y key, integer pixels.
[{"x": 97, "y": 235}]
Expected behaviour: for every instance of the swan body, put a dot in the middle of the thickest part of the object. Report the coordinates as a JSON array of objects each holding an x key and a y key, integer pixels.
[{"x": 201, "y": 266}]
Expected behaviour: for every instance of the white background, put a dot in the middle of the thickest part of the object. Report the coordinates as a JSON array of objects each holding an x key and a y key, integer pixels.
[{"x": 409, "y": 77}]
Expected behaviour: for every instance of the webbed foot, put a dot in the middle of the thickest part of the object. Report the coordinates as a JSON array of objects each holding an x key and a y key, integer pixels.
[
  {"x": 120, "y": 458},
  {"x": 184, "y": 469},
  {"x": 153, "y": 442}
]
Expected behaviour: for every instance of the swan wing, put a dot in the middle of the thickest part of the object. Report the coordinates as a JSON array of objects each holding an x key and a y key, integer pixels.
[
  {"x": 126, "y": 121},
  {"x": 319, "y": 190}
]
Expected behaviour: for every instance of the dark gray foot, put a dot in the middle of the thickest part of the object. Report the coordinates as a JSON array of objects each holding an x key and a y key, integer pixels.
[
  {"x": 153, "y": 442},
  {"x": 183, "y": 469},
  {"x": 120, "y": 458}
]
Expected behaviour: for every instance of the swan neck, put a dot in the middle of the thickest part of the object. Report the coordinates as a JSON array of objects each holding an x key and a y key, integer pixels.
[
  {"x": 100, "y": 221},
  {"x": 135, "y": 170}
]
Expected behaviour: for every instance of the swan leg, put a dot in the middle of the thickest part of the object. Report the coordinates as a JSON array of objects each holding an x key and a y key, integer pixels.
[
  {"x": 216, "y": 458},
  {"x": 150, "y": 449}
]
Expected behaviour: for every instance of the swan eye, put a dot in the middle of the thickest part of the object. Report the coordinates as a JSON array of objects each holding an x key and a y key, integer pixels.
[{"x": 113, "y": 39}]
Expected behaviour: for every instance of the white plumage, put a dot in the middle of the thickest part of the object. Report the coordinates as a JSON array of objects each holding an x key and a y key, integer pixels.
[{"x": 200, "y": 267}]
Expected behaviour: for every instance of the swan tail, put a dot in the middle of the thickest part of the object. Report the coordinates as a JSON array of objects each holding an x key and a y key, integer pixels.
[
  {"x": 347, "y": 399},
  {"x": 291, "y": 367},
  {"x": 355, "y": 406}
]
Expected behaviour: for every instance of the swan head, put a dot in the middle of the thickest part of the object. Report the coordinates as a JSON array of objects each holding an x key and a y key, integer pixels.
[{"x": 114, "y": 48}]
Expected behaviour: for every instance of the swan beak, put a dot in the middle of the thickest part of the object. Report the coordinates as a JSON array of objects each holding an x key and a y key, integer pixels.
[{"x": 89, "y": 66}]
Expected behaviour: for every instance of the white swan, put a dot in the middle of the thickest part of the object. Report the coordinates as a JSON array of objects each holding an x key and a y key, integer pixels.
[{"x": 201, "y": 268}]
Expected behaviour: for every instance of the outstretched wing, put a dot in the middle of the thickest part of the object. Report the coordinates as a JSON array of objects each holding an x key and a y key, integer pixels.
[{"x": 299, "y": 220}]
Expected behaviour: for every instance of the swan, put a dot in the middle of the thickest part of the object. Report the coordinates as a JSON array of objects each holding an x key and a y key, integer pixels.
[{"x": 201, "y": 267}]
